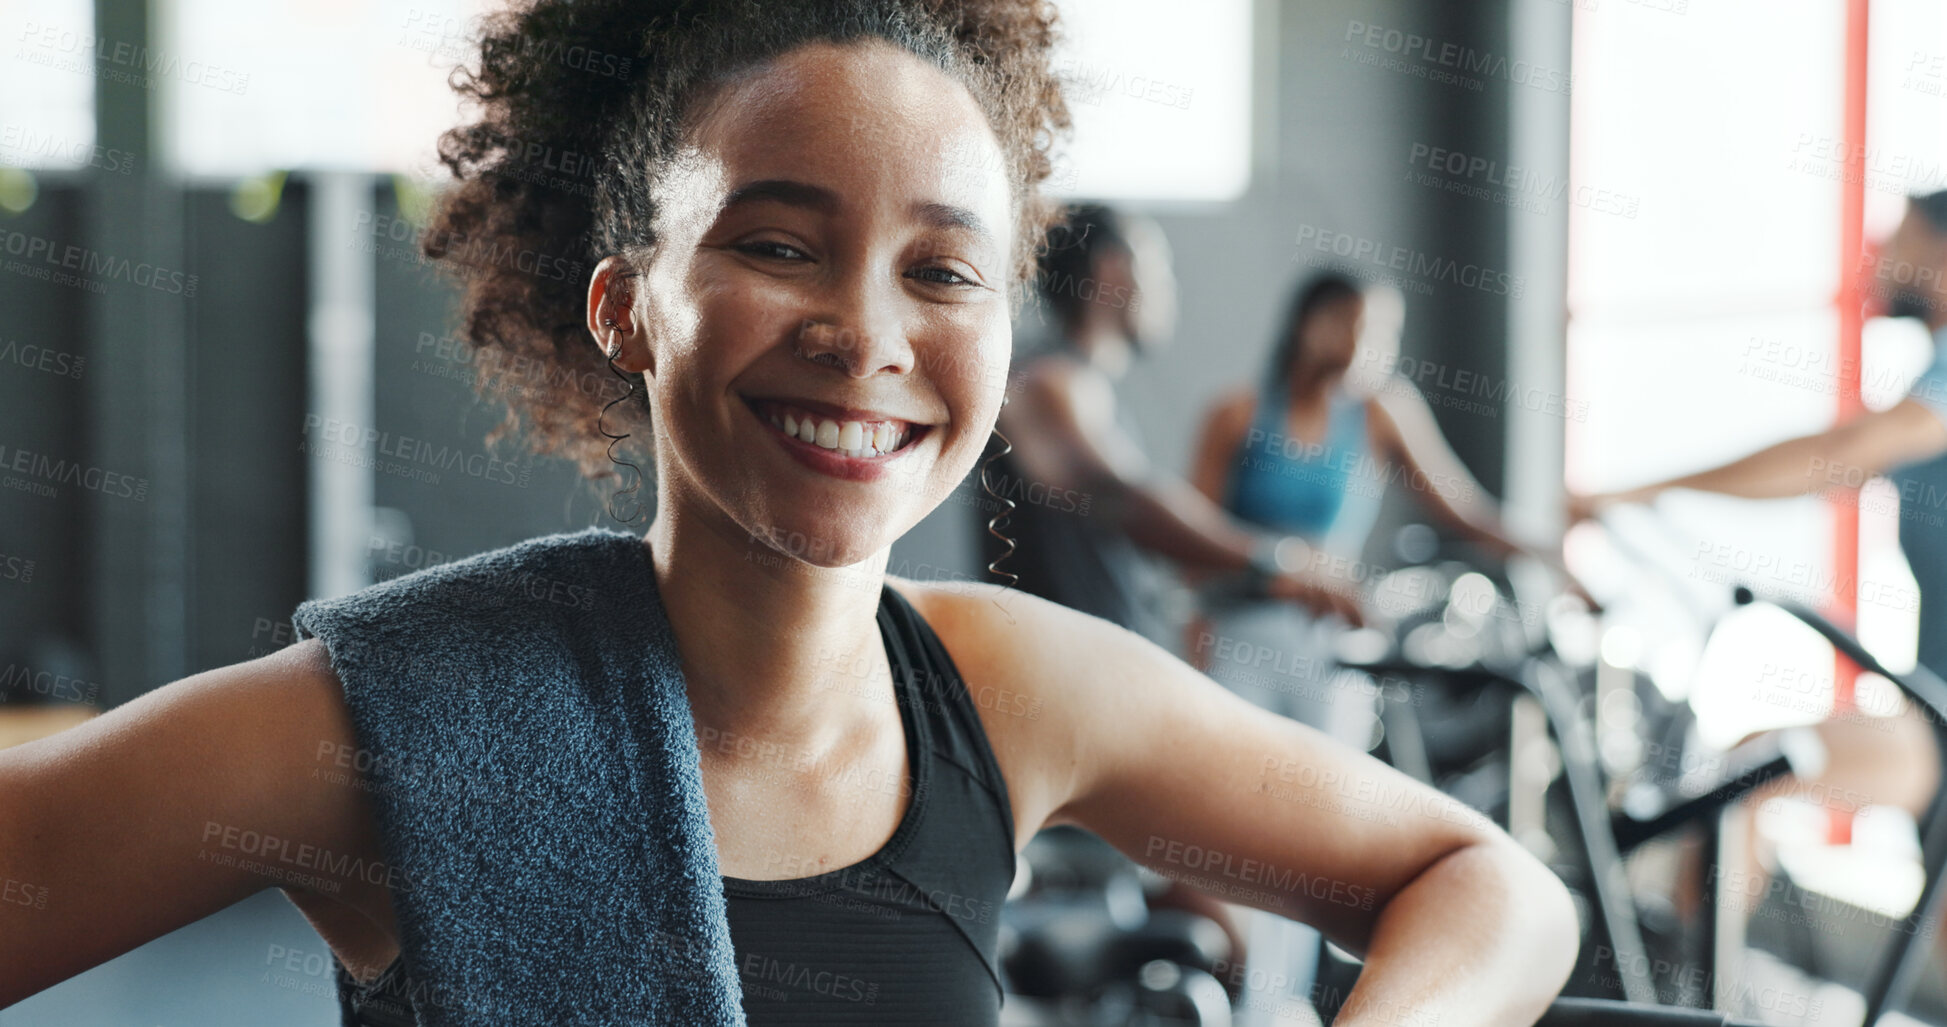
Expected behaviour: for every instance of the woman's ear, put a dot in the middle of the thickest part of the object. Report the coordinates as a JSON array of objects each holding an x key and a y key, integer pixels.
[{"x": 613, "y": 320}]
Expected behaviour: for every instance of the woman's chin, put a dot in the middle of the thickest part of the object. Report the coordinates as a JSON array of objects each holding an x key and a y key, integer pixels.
[{"x": 828, "y": 543}]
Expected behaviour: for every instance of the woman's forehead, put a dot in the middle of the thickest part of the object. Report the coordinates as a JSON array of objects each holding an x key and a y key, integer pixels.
[{"x": 862, "y": 120}]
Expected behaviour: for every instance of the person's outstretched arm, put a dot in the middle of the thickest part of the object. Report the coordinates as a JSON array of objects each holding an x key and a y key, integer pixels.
[
  {"x": 1403, "y": 431},
  {"x": 1063, "y": 428},
  {"x": 1844, "y": 456}
]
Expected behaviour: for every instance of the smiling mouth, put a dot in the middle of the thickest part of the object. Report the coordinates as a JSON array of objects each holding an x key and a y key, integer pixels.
[{"x": 857, "y": 439}]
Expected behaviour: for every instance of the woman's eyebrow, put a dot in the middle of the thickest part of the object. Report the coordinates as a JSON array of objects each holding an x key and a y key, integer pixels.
[
  {"x": 946, "y": 215},
  {"x": 786, "y": 191},
  {"x": 821, "y": 200}
]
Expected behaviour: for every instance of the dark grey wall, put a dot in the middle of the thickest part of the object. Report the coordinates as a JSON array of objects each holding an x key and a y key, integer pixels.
[
  {"x": 69, "y": 399},
  {"x": 464, "y": 497},
  {"x": 246, "y": 405},
  {"x": 43, "y": 407}
]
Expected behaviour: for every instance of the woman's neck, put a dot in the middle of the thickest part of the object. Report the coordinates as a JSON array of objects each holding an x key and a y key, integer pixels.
[
  {"x": 1103, "y": 346},
  {"x": 773, "y": 649},
  {"x": 1312, "y": 385}
]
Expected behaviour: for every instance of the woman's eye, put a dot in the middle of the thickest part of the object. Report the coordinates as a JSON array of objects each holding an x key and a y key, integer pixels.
[
  {"x": 779, "y": 250},
  {"x": 943, "y": 276}
]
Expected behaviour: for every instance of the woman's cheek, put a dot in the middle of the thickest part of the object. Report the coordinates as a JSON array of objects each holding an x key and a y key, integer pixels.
[{"x": 977, "y": 413}]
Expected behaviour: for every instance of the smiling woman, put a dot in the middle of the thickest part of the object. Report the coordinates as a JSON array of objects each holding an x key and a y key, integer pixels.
[
  {"x": 817, "y": 214},
  {"x": 732, "y": 771}
]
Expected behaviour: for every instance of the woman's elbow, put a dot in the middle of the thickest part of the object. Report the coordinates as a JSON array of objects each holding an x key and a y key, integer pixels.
[{"x": 1547, "y": 931}]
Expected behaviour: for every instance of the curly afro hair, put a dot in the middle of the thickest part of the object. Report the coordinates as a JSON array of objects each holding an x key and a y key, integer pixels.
[{"x": 580, "y": 104}]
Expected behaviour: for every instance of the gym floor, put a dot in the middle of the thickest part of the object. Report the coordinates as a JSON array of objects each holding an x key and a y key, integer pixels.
[{"x": 257, "y": 962}]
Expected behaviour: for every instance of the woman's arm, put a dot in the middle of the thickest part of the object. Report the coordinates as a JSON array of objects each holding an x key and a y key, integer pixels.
[
  {"x": 176, "y": 805},
  {"x": 1844, "y": 456},
  {"x": 1456, "y": 922},
  {"x": 1223, "y": 430},
  {"x": 1404, "y": 431}
]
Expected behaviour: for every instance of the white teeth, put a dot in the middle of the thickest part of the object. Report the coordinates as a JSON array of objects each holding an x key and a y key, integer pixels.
[{"x": 852, "y": 438}]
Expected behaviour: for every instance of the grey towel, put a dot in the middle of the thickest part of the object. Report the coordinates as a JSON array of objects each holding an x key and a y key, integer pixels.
[{"x": 526, "y": 733}]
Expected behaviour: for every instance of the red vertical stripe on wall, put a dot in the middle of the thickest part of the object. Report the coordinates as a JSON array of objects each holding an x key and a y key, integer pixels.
[{"x": 1852, "y": 240}]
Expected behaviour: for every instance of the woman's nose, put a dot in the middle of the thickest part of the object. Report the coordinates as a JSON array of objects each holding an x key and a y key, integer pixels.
[{"x": 859, "y": 332}]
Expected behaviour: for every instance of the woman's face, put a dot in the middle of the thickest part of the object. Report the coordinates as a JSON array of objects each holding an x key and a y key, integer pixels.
[
  {"x": 1330, "y": 334},
  {"x": 835, "y": 248}
]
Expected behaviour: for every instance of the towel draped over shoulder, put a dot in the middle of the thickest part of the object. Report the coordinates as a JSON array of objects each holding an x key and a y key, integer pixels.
[{"x": 526, "y": 740}]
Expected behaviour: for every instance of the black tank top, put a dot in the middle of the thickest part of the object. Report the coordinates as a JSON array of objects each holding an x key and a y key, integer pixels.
[{"x": 910, "y": 934}]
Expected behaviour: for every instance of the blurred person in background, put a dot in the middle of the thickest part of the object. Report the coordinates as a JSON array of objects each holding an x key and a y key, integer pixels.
[
  {"x": 1309, "y": 451},
  {"x": 1907, "y": 441},
  {"x": 1091, "y": 511}
]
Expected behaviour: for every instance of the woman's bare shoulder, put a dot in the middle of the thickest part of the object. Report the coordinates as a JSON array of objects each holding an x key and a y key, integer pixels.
[
  {"x": 1234, "y": 406},
  {"x": 1229, "y": 417},
  {"x": 1043, "y": 666},
  {"x": 1159, "y": 760},
  {"x": 248, "y": 712},
  {"x": 1011, "y": 634}
]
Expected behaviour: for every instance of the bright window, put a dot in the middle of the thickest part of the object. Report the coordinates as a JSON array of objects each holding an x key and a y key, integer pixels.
[
  {"x": 1703, "y": 318},
  {"x": 47, "y": 86},
  {"x": 1161, "y": 100},
  {"x": 1906, "y": 153},
  {"x": 311, "y": 84},
  {"x": 1708, "y": 324},
  {"x": 1161, "y": 96}
]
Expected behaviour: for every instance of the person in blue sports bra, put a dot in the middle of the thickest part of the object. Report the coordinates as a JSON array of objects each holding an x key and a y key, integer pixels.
[
  {"x": 1311, "y": 451},
  {"x": 1309, "y": 489}
]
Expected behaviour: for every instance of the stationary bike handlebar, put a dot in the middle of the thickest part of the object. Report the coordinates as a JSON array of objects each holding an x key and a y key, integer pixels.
[
  {"x": 1590, "y": 1012},
  {"x": 1920, "y": 684},
  {"x": 1899, "y": 964}
]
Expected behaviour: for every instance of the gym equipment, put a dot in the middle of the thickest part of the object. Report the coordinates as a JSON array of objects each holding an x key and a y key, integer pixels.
[
  {"x": 1481, "y": 695},
  {"x": 1080, "y": 943}
]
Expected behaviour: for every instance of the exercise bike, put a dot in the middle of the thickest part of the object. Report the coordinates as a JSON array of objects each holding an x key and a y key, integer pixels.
[
  {"x": 1589, "y": 837},
  {"x": 1083, "y": 945}
]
